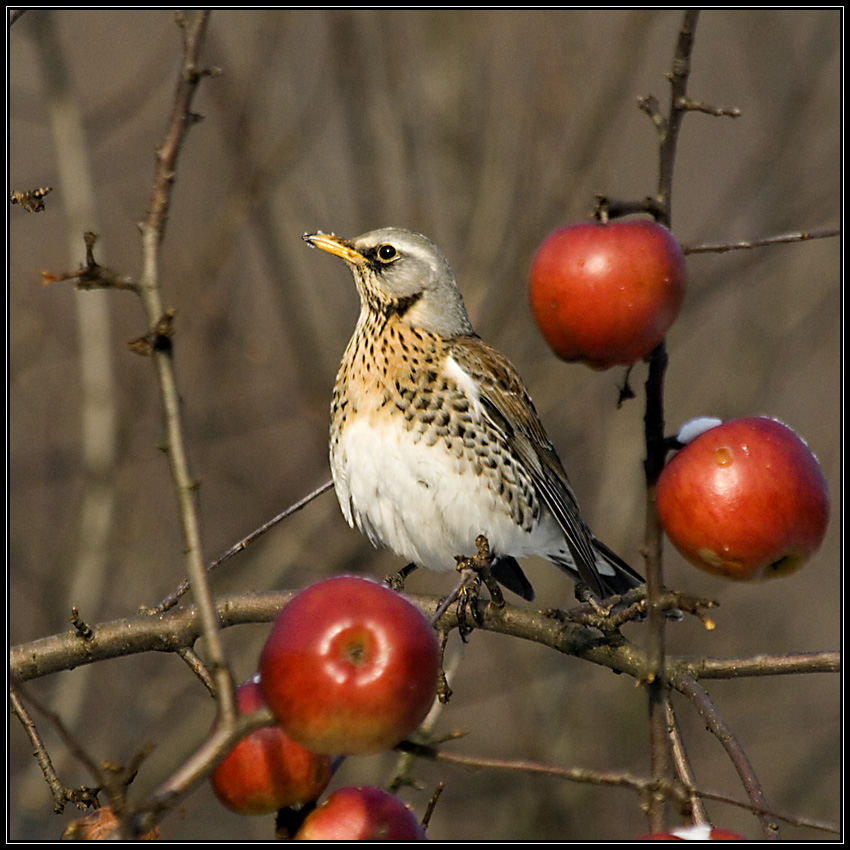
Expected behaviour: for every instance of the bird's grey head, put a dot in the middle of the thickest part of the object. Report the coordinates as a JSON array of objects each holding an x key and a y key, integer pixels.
[{"x": 403, "y": 273}]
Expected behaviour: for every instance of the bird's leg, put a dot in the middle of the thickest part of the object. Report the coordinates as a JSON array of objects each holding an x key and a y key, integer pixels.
[
  {"x": 481, "y": 563},
  {"x": 476, "y": 570},
  {"x": 473, "y": 571},
  {"x": 468, "y": 577},
  {"x": 585, "y": 595},
  {"x": 397, "y": 580},
  {"x": 467, "y": 603}
]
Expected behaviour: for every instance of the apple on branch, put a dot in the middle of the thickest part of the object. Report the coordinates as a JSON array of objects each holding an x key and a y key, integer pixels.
[
  {"x": 745, "y": 499},
  {"x": 361, "y": 814},
  {"x": 606, "y": 294},
  {"x": 267, "y": 770},
  {"x": 350, "y": 667}
]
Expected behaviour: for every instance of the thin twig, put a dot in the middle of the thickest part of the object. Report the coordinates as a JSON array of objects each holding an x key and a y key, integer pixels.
[
  {"x": 718, "y": 726},
  {"x": 766, "y": 665},
  {"x": 782, "y": 239},
  {"x": 174, "y": 597},
  {"x": 679, "y": 75},
  {"x": 612, "y": 778},
  {"x": 153, "y": 229},
  {"x": 432, "y": 804},
  {"x": 196, "y": 768},
  {"x": 57, "y": 789},
  {"x": 716, "y": 111},
  {"x": 684, "y": 771},
  {"x": 112, "y": 780},
  {"x": 197, "y": 666},
  {"x": 259, "y": 532},
  {"x": 655, "y": 676},
  {"x": 621, "y": 779}
]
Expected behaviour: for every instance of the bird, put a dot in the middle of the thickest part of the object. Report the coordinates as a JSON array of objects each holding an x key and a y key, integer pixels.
[{"x": 434, "y": 438}]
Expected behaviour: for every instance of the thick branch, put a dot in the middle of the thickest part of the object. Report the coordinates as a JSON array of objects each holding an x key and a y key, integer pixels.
[
  {"x": 180, "y": 628},
  {"x": 668, "y": 129},
  {"x": 133, "y": 635}
]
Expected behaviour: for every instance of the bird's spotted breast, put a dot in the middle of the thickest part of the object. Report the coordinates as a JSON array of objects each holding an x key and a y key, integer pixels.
[{"x": 435, "y": 451}]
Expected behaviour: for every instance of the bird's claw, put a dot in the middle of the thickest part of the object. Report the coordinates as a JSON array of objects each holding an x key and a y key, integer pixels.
[
  {"x": 469, "y": 612},
  {"x": 396, "y": 581},
  {"x": 473, "y": 570}
]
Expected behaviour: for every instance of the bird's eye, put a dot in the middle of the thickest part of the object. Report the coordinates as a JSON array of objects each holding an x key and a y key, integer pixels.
[{"x": 387, "y": 253}]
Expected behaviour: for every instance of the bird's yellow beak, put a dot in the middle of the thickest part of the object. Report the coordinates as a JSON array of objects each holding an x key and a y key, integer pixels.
[{"x": 334, "y": 245}]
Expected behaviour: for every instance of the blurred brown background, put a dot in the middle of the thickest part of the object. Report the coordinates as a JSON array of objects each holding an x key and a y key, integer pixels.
[{"x": 485, "y": 130}]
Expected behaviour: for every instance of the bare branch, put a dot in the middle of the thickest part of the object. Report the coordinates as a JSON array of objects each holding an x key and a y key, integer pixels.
[
  {"x": 57, "y": 789},
  {"x": 153, "y": 230},
  {"x": 118, "y": 638},
  {"x": 171, "y": 600},
  {"x": 179, "y": 629},
  {"x": 92, "y": 275},
  {"x": 730, "y": 743},
  {"x": 112, "y": 780},
  {"x": 196, "y": 768},
  {"x": 621, "y": 779},
  {"x": 782, "y": 239},
  {"x": 689, "y": 105},
  {"x": 684, "y": 771},
  {"x": 654, "y": 425},
  {"x": 766, "y": 665},
  {"x": 679, "y": 75}
]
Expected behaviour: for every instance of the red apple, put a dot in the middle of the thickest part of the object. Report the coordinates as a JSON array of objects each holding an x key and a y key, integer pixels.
[
  {"x": 361, "y": 814},
  {"x": 606, "y": 294},
  {"x": 267, "y": 771},
  {"x": 745, "y": 499},
  {"x": 350, "y": 667}
]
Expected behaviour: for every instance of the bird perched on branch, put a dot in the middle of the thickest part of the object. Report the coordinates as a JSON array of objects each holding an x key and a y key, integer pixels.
[{"x": 434, "y": 439}]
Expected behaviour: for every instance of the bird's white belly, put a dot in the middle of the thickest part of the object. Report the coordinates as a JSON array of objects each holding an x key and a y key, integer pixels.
[{"x": 422, "y": 501}]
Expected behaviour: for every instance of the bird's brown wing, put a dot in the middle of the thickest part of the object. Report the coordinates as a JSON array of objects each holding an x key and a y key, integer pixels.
[{"x": 509, "y": 409}]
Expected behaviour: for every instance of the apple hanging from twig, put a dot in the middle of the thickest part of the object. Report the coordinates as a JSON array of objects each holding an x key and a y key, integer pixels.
[
  {"x": 350, "y": 667},
  {"x": 745, "y": 499},
  {"x": 606, "y": 294}
]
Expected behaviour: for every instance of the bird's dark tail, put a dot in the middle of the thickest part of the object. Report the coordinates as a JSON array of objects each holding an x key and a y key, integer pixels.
[
  {"x": 616, "y": 575},
  {"x": 509, "y": 574}
]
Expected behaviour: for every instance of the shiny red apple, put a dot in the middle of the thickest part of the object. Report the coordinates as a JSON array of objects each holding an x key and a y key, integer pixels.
[
  {"x": 361, "y": 814},
  {"x": 267, "y": 770},
  {"x": 350, "y": 667},
  {"x": 745, "y": 499},
  {"x": 606, "y": 294}
]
